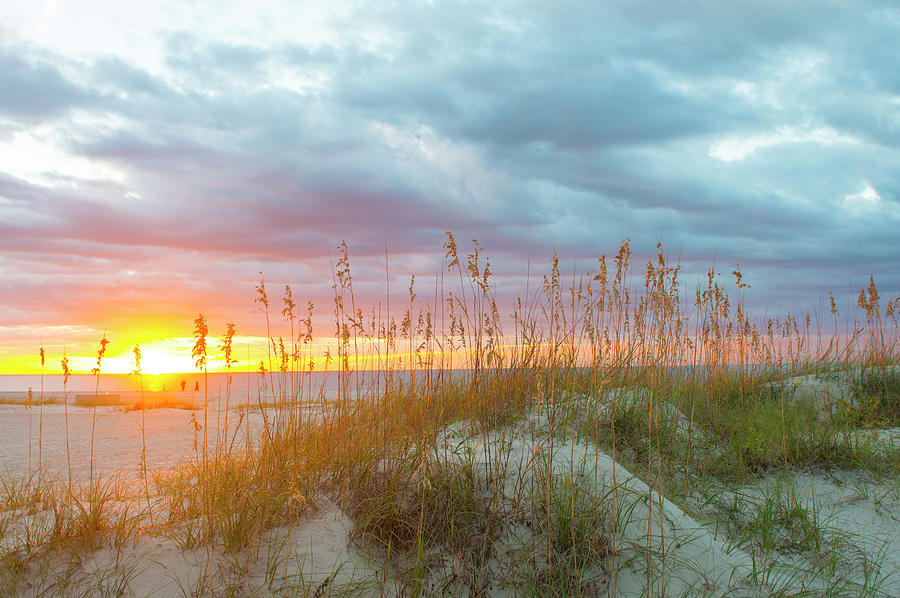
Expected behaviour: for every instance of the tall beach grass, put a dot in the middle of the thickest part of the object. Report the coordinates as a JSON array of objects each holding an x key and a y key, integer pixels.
[{"x": 680, "y": 386}]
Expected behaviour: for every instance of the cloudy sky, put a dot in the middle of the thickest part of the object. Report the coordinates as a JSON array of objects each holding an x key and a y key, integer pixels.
[{"x": 154, "y": 157}]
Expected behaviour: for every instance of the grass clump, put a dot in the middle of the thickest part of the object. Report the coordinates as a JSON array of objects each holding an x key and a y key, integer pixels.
[
  {"x": 573, "y": 538},
  {"x": 776, "y": 521},
  {"x": 51, "y": 531},
  {"x": 234, "y": 499},
  {"x": 625, "y": 421},
  {"x": 795, "y": 549},
  {"x": 435, "y": 519},
  {"x": 877, "y": 400},
  {"x": 756, "y": 432}
]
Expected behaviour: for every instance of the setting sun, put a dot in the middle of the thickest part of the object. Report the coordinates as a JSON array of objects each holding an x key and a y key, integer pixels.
[{"x": 157, "y": 357}]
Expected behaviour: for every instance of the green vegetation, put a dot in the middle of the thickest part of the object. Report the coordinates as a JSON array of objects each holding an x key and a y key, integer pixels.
[
  {"x": 576, "y": 528},
  {"x": 877, "y": 400}
]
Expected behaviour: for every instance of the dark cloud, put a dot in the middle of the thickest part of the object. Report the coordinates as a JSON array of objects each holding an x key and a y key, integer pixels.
[
  {"x": 127, "y": 79},
  {"x": 611, "y": 108},
  {"x": 34, "y": 89}
]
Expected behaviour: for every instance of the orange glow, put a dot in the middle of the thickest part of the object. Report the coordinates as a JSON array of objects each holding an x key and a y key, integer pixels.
[
  {"x": 159, "y": 355},
  {"x": 162, "y": 355}
]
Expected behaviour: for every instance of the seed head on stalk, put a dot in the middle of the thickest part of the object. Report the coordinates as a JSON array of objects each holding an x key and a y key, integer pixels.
[{"x": 64, "y": 362}]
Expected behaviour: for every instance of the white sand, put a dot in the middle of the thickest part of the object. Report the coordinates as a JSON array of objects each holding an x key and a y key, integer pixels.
[{"x": 694, "y": 560}]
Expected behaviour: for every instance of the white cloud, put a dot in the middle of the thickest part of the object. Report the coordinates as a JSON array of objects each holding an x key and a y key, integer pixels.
[
  {"x": 50, "y": 10},
  {"x": 867, "y": 198},
  {"x": 732, "y": 149},
  {"x": 32, "y": 156}
]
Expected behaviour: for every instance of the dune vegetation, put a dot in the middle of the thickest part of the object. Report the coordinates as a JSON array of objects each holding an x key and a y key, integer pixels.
[{"x": 611, "y": 434}]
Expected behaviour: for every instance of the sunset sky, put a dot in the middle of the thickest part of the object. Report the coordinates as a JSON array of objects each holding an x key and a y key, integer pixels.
[{"x": 156, "y": 156}]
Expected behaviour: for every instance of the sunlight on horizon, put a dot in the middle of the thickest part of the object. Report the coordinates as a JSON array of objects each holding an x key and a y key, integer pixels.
[{"x": 158, "y": 357}]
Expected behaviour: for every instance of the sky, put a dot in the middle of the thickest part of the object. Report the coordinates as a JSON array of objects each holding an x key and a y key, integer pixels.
[{"x": 156, "y": 157}]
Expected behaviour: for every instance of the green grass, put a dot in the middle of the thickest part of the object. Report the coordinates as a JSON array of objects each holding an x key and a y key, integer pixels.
[
  {"x": 795, "y": 548},
  {"x": 877, "y": 400},
  {"x": 576, "y": 528}
]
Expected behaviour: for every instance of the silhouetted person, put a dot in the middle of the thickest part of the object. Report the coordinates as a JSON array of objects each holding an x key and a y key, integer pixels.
[{"x": 183, "y": 382}]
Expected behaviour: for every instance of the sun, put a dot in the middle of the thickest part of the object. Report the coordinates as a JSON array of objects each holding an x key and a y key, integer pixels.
[
  {"x": 168, "y": 356},
  {"x": 159, "y": 358}
]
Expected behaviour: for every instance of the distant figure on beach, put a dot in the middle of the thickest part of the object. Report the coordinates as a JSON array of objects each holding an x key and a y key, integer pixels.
[
  {"x": 197, "y": 386},
  {"x": 183, "y": 382}
]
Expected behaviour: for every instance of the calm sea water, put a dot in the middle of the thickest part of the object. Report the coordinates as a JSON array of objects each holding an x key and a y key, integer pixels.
[
  {"x": 117, "y": 438},
  {"x": 39, "y": 434},
  {"x": 246, "y": 382}
]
